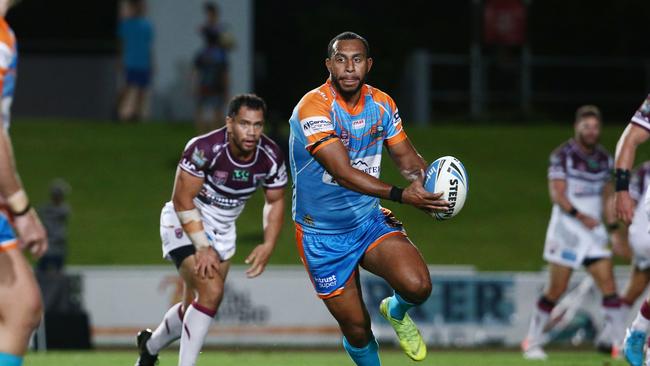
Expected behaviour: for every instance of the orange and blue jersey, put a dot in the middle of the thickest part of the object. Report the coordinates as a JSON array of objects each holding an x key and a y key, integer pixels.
[
  {"x": 320, "y": 205},
  {"x": 8, "y": 65},
  {"x": 335, "y": 226}
]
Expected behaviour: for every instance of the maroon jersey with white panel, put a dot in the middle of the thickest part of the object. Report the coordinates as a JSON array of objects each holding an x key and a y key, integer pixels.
[
  {"x": 641, "y": 117},
  {"x": 585, "y": 175},
  {"x": 638, "y": 234},
  {"x": 568, "y": 241},
  {"x": 229, "y": 182}
]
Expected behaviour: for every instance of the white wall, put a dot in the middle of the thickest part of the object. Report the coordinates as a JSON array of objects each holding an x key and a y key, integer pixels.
[{"x": 177, "y": 40}]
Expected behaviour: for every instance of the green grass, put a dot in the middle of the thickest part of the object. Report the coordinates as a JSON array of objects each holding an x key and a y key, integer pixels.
[
  {"x": 301, "y": 358},
  {"x": 122, "y": 174}
]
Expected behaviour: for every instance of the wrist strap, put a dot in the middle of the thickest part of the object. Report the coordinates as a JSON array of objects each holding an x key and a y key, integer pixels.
[
  {"x": 622, "y": 179},
  {"x": 396, "y": 194},
  {"x": 573, "y": 211}
]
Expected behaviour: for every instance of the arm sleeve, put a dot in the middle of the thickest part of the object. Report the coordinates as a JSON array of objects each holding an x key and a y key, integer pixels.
[
  {"x": 557, "y": 165},
  {"x": 277, "y": 175},
  {"x": 315, "y": 122},
  {"x": 394, "y": 130},
  {"x": 195, "y": 157},
  {"x": 642, "y": 115}
]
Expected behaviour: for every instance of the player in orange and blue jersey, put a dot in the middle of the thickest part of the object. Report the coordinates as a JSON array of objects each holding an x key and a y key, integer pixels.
[
  {"x": 20, "y": 298},
  {"x": 338, "y": 131}
]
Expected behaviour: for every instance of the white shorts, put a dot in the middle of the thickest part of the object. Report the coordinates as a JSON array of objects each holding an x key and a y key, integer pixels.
[
  {"x": 569, "y": 242},
  {"x": 173, "y": 236},
  {"x": 639, "y": 237}
]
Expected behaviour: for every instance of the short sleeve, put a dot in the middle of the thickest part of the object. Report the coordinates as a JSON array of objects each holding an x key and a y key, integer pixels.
[
  {"x": 277, "y": 174},
  {"x": 195, "y": 158},
  {"x": 277, "y": 178},
  {"x": 315, "y": 121},
  {"x": 557, "y": 165},
  {"x": 394, "y": 130},
  {"x": 641, "y": 117}
]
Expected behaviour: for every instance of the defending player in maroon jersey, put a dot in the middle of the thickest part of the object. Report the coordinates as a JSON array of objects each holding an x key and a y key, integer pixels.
[{"x": 218, "y": 172}]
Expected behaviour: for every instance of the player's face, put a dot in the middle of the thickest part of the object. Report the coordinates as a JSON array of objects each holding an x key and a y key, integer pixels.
[
  {"x": 245, "y": 129},
  {"x": 348, "y": 66},
  {"x": 588, "y": 131}
]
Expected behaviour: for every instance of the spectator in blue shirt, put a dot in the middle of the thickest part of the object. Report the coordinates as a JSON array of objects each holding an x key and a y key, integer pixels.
[{"x": 136, "y": 36}]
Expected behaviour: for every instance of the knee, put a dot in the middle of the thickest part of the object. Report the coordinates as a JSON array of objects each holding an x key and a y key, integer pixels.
[
  {"x": 358, "y": 334},
  {"x": 210, "y": 295},
  {"x": 417, "y": 290}
]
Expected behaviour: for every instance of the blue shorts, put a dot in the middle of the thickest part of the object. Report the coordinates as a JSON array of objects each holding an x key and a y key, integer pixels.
[
  {"x": 7, "y": 236},
  {"x": 332, "y": 259},
  {"x": 138, "y": 77}
]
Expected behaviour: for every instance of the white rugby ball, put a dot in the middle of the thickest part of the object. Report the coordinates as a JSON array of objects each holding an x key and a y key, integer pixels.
[{"x": 447, "y": 175}]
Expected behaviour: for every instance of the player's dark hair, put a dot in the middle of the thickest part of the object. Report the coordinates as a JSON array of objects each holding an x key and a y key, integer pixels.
[
  {"x": 346, "y": 36},
  {"x": 250, "y": 101},
  {"x": 588, "y": 111}
]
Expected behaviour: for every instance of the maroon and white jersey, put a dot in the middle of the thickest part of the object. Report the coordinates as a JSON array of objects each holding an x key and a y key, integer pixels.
[
  {"x": 641, "y": 117},
  {"x": 585, "y": 175},
  {"x": 568, "y": 242},
  {"x": 639, "y": 182},
  {"x": 228, "y": 182},
  {"x": 638, "y": 235}
]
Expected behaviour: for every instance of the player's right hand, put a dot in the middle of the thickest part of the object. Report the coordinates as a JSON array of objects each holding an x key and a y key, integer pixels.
[
  {"x": 417, "y": 196},
  {"x": 31, "y": 233},
  {"x": 624, "y": 206},
  {"x": 207, "y": 263},
  {"x": 588, "y": 221}
]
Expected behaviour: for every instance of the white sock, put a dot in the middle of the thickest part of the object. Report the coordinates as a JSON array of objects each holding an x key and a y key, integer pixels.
[
  {"x": 195, "y": 327},
  {"x": 640, "y": 322},
  {"x": 614, "y": 325},
  {"x": 168, "y": 331},
  {"x": 536, "y": 328}
]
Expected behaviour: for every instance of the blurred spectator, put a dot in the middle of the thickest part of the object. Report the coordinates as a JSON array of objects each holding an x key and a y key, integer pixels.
[
  {"x": 54, "y": 216},
  {"x": 214, "y": 25},
  {"x": 210, "y": 82},
  {"x": 136, "y": 36}
]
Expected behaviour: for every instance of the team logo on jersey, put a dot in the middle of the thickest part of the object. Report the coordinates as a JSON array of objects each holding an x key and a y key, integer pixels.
[
  {"x": 220, "y": 177},
  {"x": 308, "y": 220},
  {"x": 240, "y": 175},
  {"x": 345, "y": 138},
  {"x": 198, "y": 157},
  {"x": 358, "y": 124},
  {"x": 178, "y": 232},
  {"x": 377, "y": 132}
]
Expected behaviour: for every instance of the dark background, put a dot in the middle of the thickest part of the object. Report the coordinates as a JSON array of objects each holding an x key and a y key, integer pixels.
[{"x": 291, "y": 39}]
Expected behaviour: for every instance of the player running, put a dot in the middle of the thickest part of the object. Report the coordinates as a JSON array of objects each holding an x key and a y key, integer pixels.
[
  {"x": 638, "y": 237},
  {"x": 338, "y": 131},
  {"x": 636, "y": 133},
  {"x": 218, "y": 172},
  {"x": 581, "y": 192},
  {"x": 20, "y": 296}
]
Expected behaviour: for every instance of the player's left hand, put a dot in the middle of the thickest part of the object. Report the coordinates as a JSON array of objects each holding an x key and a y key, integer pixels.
[
  {"x": 624, "y": 206},
  {"x": 31, "y": 233},
  {"x": 258, "y": 259}
]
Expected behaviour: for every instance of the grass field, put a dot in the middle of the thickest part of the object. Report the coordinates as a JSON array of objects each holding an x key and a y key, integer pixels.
[
  {"x": 122, "y": 174},
  {"x": 303, "y": 358}
]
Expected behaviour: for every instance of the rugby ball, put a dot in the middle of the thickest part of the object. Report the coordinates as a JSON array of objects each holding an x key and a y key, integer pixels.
[{"x": 447, "y": 175}]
